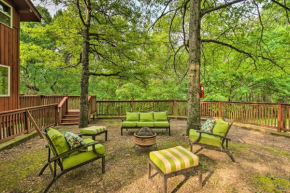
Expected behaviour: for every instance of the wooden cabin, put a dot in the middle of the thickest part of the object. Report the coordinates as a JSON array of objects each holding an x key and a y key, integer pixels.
[{"x": 12, "y": 12}]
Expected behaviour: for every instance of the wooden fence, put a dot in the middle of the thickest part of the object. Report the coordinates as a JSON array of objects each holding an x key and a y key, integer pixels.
[
  {"x": 271, "y": 115},
  {"x": 20, "y": 121}
]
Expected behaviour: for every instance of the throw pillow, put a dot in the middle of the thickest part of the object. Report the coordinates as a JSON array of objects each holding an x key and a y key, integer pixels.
[
  {"x": 73, "y": 140},
  {"x": 208, "y": 126},
  {"x": 221, "y": 127}
]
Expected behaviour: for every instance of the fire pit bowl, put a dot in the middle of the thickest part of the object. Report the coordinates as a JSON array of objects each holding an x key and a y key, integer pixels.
[{"x": 145, "y": 137}]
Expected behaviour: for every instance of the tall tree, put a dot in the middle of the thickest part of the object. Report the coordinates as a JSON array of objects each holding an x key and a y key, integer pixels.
[{"x": 193, "y": 41}]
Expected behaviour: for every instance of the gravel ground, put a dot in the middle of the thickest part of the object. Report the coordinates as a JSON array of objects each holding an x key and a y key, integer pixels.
[{"x": 262, "y": 165}]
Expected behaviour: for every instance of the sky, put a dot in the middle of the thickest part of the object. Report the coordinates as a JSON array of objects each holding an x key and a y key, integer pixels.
[{"x": 52, "y": 8}]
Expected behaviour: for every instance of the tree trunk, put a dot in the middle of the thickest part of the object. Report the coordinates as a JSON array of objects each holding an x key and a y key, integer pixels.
[
  {"x": 193, "y": 116},
  {"x": 85, "y": 72}
]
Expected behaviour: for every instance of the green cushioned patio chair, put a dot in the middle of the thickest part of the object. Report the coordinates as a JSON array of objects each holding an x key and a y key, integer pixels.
[
  {"x": 216, "y": 140},
  {"x": 68, "y": 159}
]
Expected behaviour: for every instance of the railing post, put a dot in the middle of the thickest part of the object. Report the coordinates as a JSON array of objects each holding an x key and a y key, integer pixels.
[
  {"x": 132, "y": 105},
  {"x": 27, "y": 123},
  {"x": 220, "y": 109},
  {"x": 175, "y": 108},
  {"x": 56, "y": 114},
  {"x": 279, "y": 117}
]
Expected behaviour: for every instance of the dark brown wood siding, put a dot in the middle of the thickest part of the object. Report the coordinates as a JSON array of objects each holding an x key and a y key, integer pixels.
[{"x": 9, "y": 56}]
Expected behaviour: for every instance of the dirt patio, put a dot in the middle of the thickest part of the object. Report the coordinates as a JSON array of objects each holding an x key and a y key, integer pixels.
[{"x": 262, "y": 165}]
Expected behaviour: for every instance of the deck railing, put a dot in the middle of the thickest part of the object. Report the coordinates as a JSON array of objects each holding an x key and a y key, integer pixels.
[
  {"x": 20, "y": 121},
  {"x": 271, "y": 115}
]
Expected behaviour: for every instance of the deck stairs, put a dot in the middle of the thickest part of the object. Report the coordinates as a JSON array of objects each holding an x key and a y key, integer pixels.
[{"x": 71, "y": 117}]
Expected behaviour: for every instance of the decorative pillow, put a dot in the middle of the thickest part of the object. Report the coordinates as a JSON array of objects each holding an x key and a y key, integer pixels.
[
  {"x": 160, "y": 116},
  {"x": 146, "y": 117},
  {"x": 221, "y": 127},
  {"x": 73, "y": 140},
  {"x": 208, "y": 126},
  {"x": 132, "y": 116}
]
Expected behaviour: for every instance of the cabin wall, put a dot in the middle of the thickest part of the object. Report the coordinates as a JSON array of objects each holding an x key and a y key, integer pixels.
[{"x": 9, "y": 56}]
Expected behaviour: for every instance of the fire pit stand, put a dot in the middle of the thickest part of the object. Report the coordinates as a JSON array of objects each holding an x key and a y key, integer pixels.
[{"x": 145, "y": 138}]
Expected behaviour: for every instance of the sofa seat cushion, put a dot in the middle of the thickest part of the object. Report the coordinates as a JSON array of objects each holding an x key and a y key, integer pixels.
[
  {"x": 161, "y": 124},
  {"x": 93, "y": 130},
  {"x": 132, "y": 116},
  {"x": 146, "y": 117},
  {"x": 173, "y": 159},
  {"x": 80, "y": 157},
  {"x": 58, "y": 140},
  {"x": 221, "y": 127},
  {"x": 145, "y": 124},
  {"x": 160, "y": 116},
  {"x": 205, "y": 138},
  {"x": 129, "y": 124}
]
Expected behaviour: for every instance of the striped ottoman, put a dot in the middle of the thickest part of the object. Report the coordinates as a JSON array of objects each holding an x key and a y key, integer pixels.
[
  {"x": 93, "y": 131},
  {"x": 174, "y": 161}
]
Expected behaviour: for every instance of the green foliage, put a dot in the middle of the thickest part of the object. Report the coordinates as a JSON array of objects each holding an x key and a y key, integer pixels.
[
  {"x": 150, "y": 64},
  {"x": 270, "y": 183}
]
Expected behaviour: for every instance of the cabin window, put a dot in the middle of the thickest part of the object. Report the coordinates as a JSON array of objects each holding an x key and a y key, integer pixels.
[
  {"x": 4, "y": 80},
  {"x": 5, "y": 14}
]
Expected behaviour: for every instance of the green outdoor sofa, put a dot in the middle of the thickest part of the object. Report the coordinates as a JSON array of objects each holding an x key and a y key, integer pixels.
[{"x": 153, "y": 120}]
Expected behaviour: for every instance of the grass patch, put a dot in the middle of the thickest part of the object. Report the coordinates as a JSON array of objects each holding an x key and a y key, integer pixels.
[
  {"x": 270, "y": 183},
  {"x": 23, "y": 168},
  {"x": 239, "y": 146},
  {"x": 276, "y": 151}
]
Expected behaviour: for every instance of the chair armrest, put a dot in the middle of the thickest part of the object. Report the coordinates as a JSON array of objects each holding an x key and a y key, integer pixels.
[
  {"x": 65, "y": 154},
  {"x": 198, "y": 131},
  {"x": 81, "y": 134}
]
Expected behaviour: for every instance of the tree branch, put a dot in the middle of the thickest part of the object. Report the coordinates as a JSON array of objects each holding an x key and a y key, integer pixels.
[
  {"x": 246, "y": 53},
  {"x": 206, "y": 11},
  {"x": 80, "y": 13},
  {"x": 103, "y": 74},
  {"x": 281, "y": 5}
]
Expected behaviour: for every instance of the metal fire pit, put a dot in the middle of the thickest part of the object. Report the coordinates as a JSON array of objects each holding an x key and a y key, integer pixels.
[{"x": 145, "y": 137}]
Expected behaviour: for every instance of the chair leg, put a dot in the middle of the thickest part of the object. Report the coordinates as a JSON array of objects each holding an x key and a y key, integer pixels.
[
  {"x": 200, "y": 176},
  {"x": 43, "y": 169},
  {"x": 169, "y": 132},
  {"x": 106, "y": 135},
  {"x": 165, "y": 184},
  {"x": 149, "y": 170},
  {"x": 191, "y": 147},
  {"x": 230, "y": 155},
  {"x": 52, "y": 181},
  {"x": 121, "y": 131},
  {"x": 103, "y": 165}
]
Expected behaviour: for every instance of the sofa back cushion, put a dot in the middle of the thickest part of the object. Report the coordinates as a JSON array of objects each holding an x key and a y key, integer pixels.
[
  {"x": 221, "y": 127},
  {"x": 160, "y": 116},
  {"x": 146, "y": 116},
  {"x": 132, "y": 116},
  {"x": 58, "y": 141}
]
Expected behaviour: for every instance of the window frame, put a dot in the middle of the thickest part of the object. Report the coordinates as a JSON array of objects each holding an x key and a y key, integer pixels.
[
  {"x": 9, "y": 79},
  {"x": 11, "y": 16}
]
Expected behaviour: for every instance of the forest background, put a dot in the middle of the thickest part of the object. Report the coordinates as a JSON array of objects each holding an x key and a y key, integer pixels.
[{"x": 145, "y": 62}]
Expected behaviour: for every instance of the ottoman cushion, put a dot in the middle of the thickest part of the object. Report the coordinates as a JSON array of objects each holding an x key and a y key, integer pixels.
[
  {"x": 93, "y": 130},
  {"x": 173, "y": 159}
]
